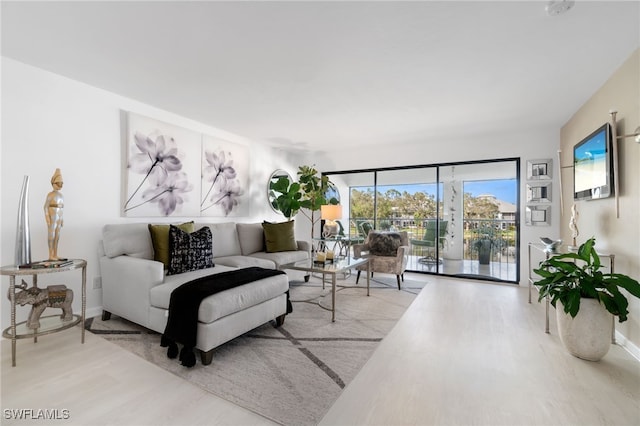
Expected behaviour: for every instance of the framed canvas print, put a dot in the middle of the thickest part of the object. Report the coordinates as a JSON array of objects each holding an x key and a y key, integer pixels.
[
  {"x": 538, "y": 215},
  {"x": 224, "y": 178},
  {"x": 162, "y": 169},
  {"x": 539, "y": 169},
  {"x": 539, "y": 192}
]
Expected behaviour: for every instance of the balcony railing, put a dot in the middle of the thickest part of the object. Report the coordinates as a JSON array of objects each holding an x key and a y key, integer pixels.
[{"x": 499, "y": 235}]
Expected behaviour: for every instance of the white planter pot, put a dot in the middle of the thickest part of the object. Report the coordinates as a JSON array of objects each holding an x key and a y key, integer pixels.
[{"x": 588, "y": 335}]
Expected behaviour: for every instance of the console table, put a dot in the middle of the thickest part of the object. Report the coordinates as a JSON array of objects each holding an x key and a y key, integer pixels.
[
  {"x": 48, "y": 324},
  {"x": 538, "y": 248}
]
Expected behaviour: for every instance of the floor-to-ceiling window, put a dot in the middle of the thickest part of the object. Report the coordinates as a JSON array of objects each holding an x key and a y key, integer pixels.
[{"x": 461, "y": 218}]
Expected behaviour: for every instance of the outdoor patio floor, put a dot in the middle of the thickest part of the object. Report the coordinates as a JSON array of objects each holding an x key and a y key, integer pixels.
[{"x": 504, "y": 271}]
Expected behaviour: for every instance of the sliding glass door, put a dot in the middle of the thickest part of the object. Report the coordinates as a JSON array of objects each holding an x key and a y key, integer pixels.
[
  {"x": 411, "y": 200},
  {"x": 480, "y": 205},
  {"x": 461, "y": 218}
]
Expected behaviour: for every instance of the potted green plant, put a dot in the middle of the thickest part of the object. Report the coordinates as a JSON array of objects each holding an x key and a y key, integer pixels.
[
  {"x": 310, "y": 193},
  {"x": 588, "y": 298},
  {"x": 483, "y": 245}
]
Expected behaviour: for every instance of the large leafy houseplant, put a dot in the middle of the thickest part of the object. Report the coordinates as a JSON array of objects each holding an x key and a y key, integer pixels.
[
  {"x": 569, "y": 277},
  {"x": 309, "y": 193}
]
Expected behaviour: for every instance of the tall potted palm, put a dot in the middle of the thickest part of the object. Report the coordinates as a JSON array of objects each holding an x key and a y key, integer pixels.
[{"x": 588, "y": 299}]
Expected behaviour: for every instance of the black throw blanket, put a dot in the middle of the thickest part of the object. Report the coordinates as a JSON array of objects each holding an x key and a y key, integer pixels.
[{"x": 182, "y": 325}]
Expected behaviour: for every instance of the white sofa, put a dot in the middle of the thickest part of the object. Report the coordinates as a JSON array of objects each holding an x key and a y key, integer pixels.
[{"x": 137, "y": 288}]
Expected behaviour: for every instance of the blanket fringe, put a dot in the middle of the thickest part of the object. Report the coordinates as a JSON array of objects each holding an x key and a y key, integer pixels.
[
  {"x": 187, "y": 357},
  {"x": 172, "y": 347}
]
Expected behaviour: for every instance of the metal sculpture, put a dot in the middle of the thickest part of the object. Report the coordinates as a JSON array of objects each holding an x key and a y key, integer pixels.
[{"x": 54, "y": 296}]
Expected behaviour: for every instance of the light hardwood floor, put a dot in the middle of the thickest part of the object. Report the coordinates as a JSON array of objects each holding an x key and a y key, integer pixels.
[
  {"x": 101, "y": 384},
  {"x": 465, "y": 352},
  {"x": 473, "y": 353}
]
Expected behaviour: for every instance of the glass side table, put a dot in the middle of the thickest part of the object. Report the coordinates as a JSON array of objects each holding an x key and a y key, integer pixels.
[
  {"x": 48, "y": 324},
  {"x": 341, "y": 245}
]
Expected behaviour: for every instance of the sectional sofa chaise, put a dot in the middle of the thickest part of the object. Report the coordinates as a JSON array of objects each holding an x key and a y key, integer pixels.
[{"x": 137, "y": 287}]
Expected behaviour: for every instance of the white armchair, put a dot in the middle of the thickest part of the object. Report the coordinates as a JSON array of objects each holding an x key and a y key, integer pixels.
[{"x": 388, "y": 253}]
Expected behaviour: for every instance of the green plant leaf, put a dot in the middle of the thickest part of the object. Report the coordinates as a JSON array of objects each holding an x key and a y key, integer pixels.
[
  {"x": 628, "y": 283},
  {"x": 572, "y": 302}
]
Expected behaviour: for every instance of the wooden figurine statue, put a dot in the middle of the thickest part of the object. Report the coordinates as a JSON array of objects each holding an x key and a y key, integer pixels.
[{"x": 53, "y": 208}]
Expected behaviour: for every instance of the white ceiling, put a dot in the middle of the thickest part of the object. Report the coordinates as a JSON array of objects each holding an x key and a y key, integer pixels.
[{"x": 335, "y": 74}]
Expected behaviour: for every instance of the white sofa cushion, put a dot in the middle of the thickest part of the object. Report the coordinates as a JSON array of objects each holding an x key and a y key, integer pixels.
[
  {"x": 281, "y": 257},
  {"x": 244, "y": 261},
  {"x": 131, "y": 239},
  {"x": 224, "y": 303},
  {"x": 225, "y": 239},
  {"x": 160, "y": 294},
  {"x": 251, "y": 236},
  {"x": 239, "y": 298}
]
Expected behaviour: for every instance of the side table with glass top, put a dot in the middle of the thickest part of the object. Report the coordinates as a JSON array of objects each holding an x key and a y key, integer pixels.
[
  {"x": 340, "y": 244},
  {"x": 49, "y": 324}
]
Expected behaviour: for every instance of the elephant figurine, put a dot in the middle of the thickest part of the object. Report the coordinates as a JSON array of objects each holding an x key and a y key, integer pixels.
[{"x": 54, "y": 296}]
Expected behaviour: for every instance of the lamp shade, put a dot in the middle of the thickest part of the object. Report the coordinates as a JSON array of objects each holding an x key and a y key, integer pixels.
[{"x": 331, "y": 212}]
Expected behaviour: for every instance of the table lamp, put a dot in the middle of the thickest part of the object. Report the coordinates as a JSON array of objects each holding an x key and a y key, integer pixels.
[{"x": 330, "y": 213}]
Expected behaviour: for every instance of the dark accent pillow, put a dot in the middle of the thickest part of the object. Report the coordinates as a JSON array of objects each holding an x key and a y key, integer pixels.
[
  {"x": 279, "y": 236},
  {"x": 160, "y": 240},
  {"x": 384, "y": 243},
  {"x": 189, "y": 252}
]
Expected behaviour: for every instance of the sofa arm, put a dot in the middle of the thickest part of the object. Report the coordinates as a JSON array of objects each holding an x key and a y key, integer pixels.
[
  {"x": 126, "y": 282},
  {"x": 304, "y": 246}
]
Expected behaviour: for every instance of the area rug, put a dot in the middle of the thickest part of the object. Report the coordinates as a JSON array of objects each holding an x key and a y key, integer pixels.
[{"x": 294, "y": 373}]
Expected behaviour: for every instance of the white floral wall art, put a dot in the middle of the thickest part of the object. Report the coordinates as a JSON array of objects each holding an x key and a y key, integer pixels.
[
  {"x": 162, "y": 169},
  {"x": 225, "y": 178}
]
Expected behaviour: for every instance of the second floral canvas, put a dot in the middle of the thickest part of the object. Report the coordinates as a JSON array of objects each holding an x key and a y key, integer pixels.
[
  {"x": 172, "y": 171},
  {"x": 224, "y": 178}
]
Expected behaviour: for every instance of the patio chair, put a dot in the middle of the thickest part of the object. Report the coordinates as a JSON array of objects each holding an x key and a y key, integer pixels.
[
  {"x": 364, "y": 227},
  {"x": 430, "y": 240}
]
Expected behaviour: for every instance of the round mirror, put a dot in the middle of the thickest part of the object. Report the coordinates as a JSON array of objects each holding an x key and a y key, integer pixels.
[{"x": 273, "y": 180}]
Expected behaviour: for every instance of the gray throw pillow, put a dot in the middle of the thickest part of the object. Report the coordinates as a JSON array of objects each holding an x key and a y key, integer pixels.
[{"x": 384, "y": 243}]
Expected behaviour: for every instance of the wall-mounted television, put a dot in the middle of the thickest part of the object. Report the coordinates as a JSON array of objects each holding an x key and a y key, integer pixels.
[{"x": 593, "y": 165}]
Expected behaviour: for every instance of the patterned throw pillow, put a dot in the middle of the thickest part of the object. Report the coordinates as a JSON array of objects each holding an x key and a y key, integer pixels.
[
  {"x": 384, "y": 243},
  {"x": 189, "y": 252}
]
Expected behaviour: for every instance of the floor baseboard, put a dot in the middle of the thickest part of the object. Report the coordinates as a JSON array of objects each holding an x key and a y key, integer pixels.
[{"x": 628, "y": 345}]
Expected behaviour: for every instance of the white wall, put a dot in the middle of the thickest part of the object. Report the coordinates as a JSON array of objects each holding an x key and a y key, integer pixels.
[
  {"x": 50, "y": 122},
  {"x": 527, "y": 145}
]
